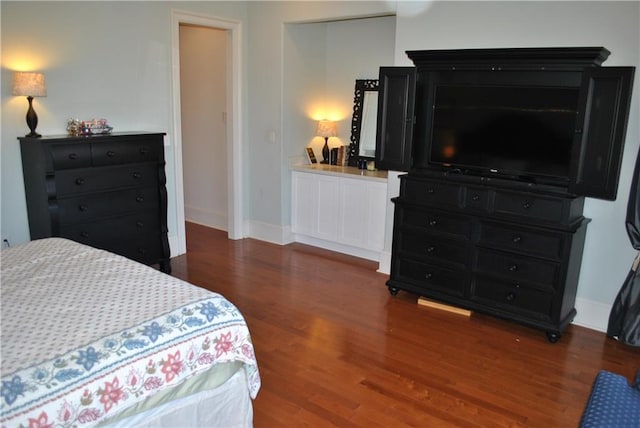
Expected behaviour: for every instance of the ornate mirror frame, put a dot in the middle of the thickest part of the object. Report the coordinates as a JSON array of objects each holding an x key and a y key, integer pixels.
[{"x": 362, "y": 86}]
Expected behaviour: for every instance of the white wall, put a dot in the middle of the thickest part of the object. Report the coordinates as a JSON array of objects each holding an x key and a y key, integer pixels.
[
  {"x": 203, "y": 101},
  {"x": 101, "y": 59},
  {"x": 319, "y": 74},
  {"x": 614, "y": 25}
]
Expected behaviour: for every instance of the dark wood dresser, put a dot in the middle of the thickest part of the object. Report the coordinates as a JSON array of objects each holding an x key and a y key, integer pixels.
[
  {"x": 509, "y": 251},
  {"x": 107, "y": 191}
]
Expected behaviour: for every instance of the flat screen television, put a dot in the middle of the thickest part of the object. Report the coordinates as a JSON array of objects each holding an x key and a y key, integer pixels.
[{"x": 519, "y": 131}]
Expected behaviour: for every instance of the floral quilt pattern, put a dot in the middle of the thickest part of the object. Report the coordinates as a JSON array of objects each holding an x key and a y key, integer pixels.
[{"x": 89, "y": 384}]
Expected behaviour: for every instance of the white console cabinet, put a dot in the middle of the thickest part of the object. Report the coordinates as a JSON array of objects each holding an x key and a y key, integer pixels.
[{"x": 340, "y": 208}]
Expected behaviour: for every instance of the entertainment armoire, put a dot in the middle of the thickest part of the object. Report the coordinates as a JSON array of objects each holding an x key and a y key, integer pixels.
[{"x": 508, "y": 244}]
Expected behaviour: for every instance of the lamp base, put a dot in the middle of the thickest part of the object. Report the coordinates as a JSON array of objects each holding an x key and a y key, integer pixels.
[
  {"x": 326, "y": 153},
  {"x": 32, "y": 120}
]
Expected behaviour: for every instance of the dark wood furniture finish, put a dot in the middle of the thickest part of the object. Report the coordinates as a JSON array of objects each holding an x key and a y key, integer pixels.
[
  {"x": 107, "y": 191},
  {"x": 506, "y": 252},
  {"x": 506, "y": 246},
  {"x": 395, "y": 117}
]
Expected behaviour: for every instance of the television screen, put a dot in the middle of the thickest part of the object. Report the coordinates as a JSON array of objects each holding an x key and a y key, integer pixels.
[{"x": 513, "y": 130}]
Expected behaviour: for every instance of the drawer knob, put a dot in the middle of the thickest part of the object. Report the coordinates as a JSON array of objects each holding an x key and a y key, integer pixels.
[
  {"x": 433, "y": 223},
  {"x": 516, "y": 239},
  {"x": 137, "y": 175},
  {"x": 475, "y": 198},
  {"x": 526, "y": 205},
  {"x": 512, "y": 267},
  {"x": 139, "y": 224},
  {"x": 144, "y": 150},
  {"x": 511, "y": 297},
  {"x": 83, "y": 207},
  {"x": 84, "y": 234},
  {"x": 430, "y": 191},
  {"x": 431, "y": 248},
  {"x": 111, "y": 153},
  {"x": 139, "y": 198},
  {"x": 73, "y": 156},
  {"x": 80, "y": 181},
  {"x": 428, "y": 275}
]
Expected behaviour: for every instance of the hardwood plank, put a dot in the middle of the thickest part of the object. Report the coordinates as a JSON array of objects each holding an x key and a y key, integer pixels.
[{"x": 336, "y": 349}]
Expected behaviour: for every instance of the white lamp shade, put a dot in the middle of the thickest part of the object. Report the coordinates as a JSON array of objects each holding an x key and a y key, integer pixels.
[
  {"x": 326, "y": 129},
  {"x": 28, "y": 84}
]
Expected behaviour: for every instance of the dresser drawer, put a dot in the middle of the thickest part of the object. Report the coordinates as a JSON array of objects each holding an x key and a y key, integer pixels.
[
  {"x": 431, "y": 192},
  {"x": 425, "y": 246},
  {"x": 112, "y": 231},
  {"x": 476, "y": 198},
  {"x": 530, "y": 206},
  {"x": 124, "y": 235},
  {"x": 69, "y": 156},
  {"x": 106, "y": 204},
  {"x": 126, "y": 151},
  {"x": 437, "y": 222},
  {"x": 513, "y": 298},
  {"x": 71, "y": 182},
  {"x": 517, "y": 268},
  {"x": 523, "y": 240},
  {"x": 432, "y": 277}
]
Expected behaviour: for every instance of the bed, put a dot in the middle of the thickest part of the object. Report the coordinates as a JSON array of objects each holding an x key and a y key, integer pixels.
[{"x": 90, "y": 338}]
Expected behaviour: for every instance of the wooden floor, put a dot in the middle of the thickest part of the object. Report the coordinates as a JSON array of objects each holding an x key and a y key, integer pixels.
[{"x": 336, "y": 349}]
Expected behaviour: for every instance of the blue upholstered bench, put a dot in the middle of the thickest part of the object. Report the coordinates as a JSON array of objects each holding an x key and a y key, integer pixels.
[{"x": 613, "y": 403}]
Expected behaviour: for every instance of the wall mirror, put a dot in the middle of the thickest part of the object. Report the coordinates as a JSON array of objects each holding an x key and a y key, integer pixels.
[{"x": 364, "y": 121}]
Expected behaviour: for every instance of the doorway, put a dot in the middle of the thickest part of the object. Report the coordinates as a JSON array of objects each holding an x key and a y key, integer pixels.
[
  {"x": 232, "y": 120},
  {"x": 203, "y": 120}
]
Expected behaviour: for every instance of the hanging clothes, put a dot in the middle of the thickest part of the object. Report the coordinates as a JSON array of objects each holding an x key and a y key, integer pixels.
[{"x": 624, "y": 320}]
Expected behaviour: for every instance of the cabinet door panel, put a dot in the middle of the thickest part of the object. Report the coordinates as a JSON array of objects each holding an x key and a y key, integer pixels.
[
  {"x": 395, "y": 118},
  {"x": 600, "y": 131},
  {"x": 362, "y": 213},
  {"x": 327, "y": 208},
  {"x": 304, "y": 203}
]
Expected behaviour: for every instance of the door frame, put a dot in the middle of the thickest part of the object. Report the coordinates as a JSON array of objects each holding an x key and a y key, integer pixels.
[{"x": 235, "y": 215}]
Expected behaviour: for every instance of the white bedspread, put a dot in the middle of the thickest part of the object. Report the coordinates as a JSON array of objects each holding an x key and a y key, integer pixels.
[{"x": 86, "y": 333}]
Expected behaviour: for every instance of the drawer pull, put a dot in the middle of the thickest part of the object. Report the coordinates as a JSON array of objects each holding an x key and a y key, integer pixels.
[
  {"x": 516, "y": 239},
  {"x": 475, "y": 198},
  {"x": 433, "y": 223},
  {"x": 136, "y": 175},
  {"x": 428, "y": 275},
  {"x": 139, "y": 199},
  {"x": 80, "y": 181},
  {"x": 73, "y": 156},
  {"x": 144, "y": 150},
  {"x": 84, "y": 234},
  {"x": 111, "y": 153},
  {"x": 512, "y": 267},
  {"x": 511, "y": 297},
  {"x": 430, "y": 191},
  {"x": 83, "y": 208},
  {"x": 431, "y": 248},
  {"x": 526, "y": 205},
  {"x": 139, "y": 224}
]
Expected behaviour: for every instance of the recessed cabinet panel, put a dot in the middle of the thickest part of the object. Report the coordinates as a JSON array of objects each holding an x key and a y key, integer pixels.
[{"x": 339, "y": 209}]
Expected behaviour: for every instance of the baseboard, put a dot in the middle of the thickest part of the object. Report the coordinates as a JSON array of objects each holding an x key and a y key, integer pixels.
[
  {"x": 385, "y": 263},
  {"x": 280, "y": 235},
  {"x": 339, "y": 248},
  {"x": 592, "y": 314},
  {"x": 204, "y": 217}
]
